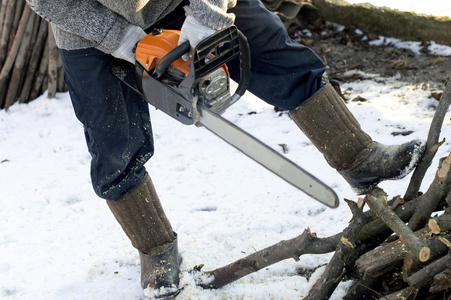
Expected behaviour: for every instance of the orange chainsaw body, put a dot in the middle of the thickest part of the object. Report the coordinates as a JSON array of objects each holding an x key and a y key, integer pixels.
[{"x": 155, "y": 46}]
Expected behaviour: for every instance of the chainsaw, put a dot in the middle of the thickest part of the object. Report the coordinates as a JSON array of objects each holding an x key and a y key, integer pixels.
[{"x": 197, "y": 92}]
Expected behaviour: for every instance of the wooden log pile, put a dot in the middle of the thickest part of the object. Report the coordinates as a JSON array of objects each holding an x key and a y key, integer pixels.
[
  {"x": 29, "y": 59},
  {"x": 397, "y": 249}
]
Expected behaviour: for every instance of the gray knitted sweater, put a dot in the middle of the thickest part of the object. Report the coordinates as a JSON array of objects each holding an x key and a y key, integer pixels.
[{"x": 79, "y": 24}]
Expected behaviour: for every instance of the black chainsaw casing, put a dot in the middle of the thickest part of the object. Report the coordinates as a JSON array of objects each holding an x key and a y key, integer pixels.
[{"x": 178, "y": 96}]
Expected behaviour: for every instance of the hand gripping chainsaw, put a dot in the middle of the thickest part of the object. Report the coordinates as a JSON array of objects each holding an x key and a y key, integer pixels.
[{"x": 198, "y": 92}]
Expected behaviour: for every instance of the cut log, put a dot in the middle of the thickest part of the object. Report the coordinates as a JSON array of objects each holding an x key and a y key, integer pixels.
[
  {"x": 376, "y": 200},
  {"x": 426, "y": 274},
  {"x": 384, "y": 259},
  {"x": 21, "y": 62},
  {"x": 3, "y": 8},
  {"x": 6, "y": 29},
  {"x": 38, "y": 85},
  {"x": 402, "y": 294},
  {"x": 5, "y": 73},
  {"x": 53, "y": 66},
  {"x": 35, "y": 60},
  {"x": 442, "y": 281},
  {"x": 440, "y": 224}
]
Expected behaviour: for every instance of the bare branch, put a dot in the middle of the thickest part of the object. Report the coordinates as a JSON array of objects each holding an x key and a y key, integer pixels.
[
  {"x": 438, "y": 190},
  {"x": 335, "y": 270},
  {"x": 306, "y": 243},
  {"x": 433, "y": 137},
  {"x": 376, "y": 200}
]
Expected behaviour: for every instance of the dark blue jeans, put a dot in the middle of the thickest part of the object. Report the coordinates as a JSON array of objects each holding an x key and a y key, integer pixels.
[
  {"x": 116, "y": 120},
  {"x": 284, "y": 73}
]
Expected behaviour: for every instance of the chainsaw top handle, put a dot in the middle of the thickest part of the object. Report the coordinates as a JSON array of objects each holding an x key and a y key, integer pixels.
[{"x": 226, "y": 44}]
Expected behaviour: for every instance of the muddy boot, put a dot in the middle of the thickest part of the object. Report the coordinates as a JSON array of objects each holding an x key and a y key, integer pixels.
[
  {"x": 327, "y": 122},
  {"x": 142, "y": 218},
  {"x": 161, "y": 272}
]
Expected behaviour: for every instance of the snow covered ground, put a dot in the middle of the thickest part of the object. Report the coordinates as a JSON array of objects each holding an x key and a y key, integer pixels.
[{"x": 59, "y": 241}]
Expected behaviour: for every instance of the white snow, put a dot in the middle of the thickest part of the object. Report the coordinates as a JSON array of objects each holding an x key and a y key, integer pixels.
[
  {"x": 59, "y": 241},
  {"x": 415, "y": 47}
]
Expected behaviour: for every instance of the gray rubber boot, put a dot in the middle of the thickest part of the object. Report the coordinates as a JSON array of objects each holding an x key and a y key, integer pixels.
[
  {"x": 141, "y": 216},
  {"x": 331, "y": 127},
  {"x": 161, "y": 272}
]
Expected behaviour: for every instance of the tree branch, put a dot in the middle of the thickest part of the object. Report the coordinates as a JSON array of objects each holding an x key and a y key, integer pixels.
[
  {"x": 431, "y": 148},
  {"x": 306, "y": 243},
  {"x": 390, "y": 256},
  {"x": 438, "y": 190},
  {"x": 376, "y": 200},
  {"x": 427, "y": 273},
  {"x": 335, "y": 270}
]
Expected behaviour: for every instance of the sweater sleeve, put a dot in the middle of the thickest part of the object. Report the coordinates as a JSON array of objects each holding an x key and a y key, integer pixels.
[
  {"x": 212, "y": 13},
  {"x": 88, "y": 19}
]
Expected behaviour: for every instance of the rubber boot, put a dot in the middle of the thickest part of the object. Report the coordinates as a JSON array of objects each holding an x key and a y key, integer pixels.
[
  {"x": 161, "y": 272},
  {"x": 141, "y": 216},
  {"x": 331, "y": 127}
]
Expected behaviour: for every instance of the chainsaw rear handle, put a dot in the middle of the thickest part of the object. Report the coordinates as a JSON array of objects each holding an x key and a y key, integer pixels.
[{"x": 226, "y": 45}]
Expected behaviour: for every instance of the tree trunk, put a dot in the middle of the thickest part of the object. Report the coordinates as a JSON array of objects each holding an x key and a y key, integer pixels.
[{"x": 385, "y": 21}]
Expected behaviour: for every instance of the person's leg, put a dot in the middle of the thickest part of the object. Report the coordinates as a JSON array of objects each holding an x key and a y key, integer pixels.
[
  {"x": 284, "y": 73},
  {"x": 119, "y": 138},
  {"x": 363, "y": 163},
  {"x": 142, "y": 218},
  {"x": 116, "y": 122},
  {"x": 289, "y": 75}
]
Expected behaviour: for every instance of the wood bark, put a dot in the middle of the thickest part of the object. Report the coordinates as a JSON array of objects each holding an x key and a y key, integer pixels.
[
  {"x": 442, "y": 281},
  {"x": 39, "y": 82},
  {"x": 335, "y": 270},
  {"x": 3, "y": 7},
  {"x": 6, "y": 28},
  {"x": 5, "y": 73},
  {"x": 20, "y": 63},
  {"x": 436, "y": 193},
  {"x": 440, "y": 224},
  {"x": 391, "y": 256},
  {"x": 293, "y": 248},
  {"x": 36, "y": 56},
  {"x": 376, "y": 200},
  {"x": 402, "y": 294},
  {"x": 53, "y": 67},
  {"x": 432, "y": 145},
  {"x": 24, "y": 66},
  {"x": 426, "y": 274}
]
